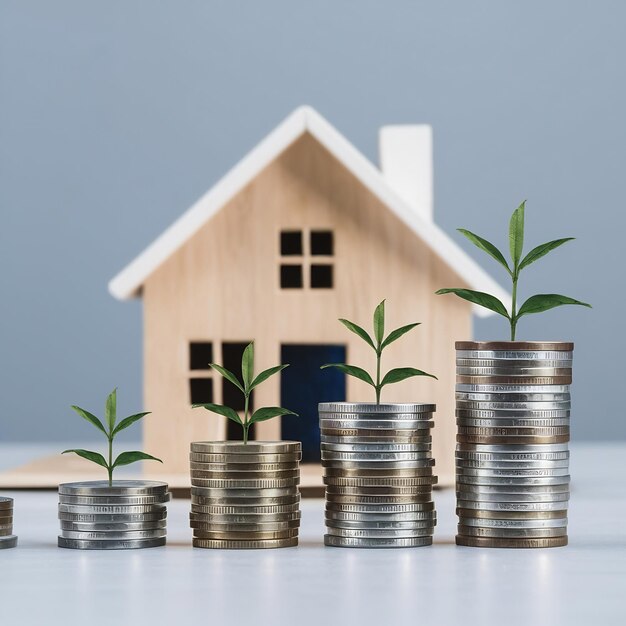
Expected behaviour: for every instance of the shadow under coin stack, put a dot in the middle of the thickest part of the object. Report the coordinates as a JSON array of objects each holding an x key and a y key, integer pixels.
[
  {"x": 512, "y": 457},
  {"x": 7, "y": 538},
  {"x": 127, "y": 515},
  {"x": 245, "y": 496},
  {"x": 378, "y": 472}
]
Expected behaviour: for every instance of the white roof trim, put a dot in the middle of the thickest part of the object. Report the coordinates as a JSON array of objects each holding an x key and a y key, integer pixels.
[{"x": 304, "y": 119}]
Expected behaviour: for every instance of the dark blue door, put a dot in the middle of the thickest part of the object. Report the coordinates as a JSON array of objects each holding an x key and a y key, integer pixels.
[{"x": 303, "y": 385}]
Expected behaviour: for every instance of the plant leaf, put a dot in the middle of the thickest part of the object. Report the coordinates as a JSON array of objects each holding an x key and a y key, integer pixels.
[
  {"x": 544, "y": 302},
  {"x": 111, "y": 410},
  {"x": 487, "y": 247},
  {"x": 401, "y": 373},
  {"x": 516, "y": 235},
  {"x": 478, "y": 297},
  {"x": 247, "y": 366},
  {"x": 129, "y": 421},
  {"x": 379, "y": 323},
  {"x": 268, "y": 412},
  {"x": 226, "y": 411},
  {"x": 361, "y": 332},
  {"x": 264, "y": 375},
  {"x": 352, "y": 370},
  {"x": 228, "y": 375},
  {"x": 542, "y": 250},
  {"x": 126, "y": 458},
  {"x": 94, "y": 457},
  {"x": 397, "y": 333},
  {"x": 92, "y": 419}
]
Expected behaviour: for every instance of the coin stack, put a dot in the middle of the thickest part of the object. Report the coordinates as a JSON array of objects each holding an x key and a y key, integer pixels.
[
  {"x": 128, "y": 514},
  {"x": 378, "y": 472},
  {"x": 512, "y": 456},
  {"x": 245, "y": 495},
  {"x": 7, "y": 538}
]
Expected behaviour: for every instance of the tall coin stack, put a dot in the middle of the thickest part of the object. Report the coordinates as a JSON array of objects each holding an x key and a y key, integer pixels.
[
  {"x": 512, "y": 456},
  {"x": 128, "y": 514},
  {"x": 378, "y": 472},
  {"x": 245, "y": 495},
  {"x": 7, "y": 538}
]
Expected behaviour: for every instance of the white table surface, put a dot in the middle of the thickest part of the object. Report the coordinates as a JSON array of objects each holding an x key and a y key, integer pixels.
[{"x": 584, "y": 583}]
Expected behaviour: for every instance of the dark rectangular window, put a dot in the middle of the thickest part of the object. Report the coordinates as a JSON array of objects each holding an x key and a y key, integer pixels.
[
  {"x": 321, "y": 276},
  {"x": 201, "y": 390},
  {"x": 291, "y": 276},
  {"x": 200, "y": 355},
  {"x": 321, "y": 243},
  {"x": 291, "y": 243}
]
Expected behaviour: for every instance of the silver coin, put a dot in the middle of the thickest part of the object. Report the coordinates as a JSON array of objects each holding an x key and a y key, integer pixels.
[
  {"x": 491, "y": 414},
  {"x": 122, "y": 544},
  {"x": 113, "y": 535},
  {"x": 512, "y": 389},
  {"x": 375, "y": 447},
  {"x": 379, "y": 534},
  {"x": 352, "y": 542},
  {"x": 242, "y": 476},
  {"x": 515, "y": 457},
  {"x": 105, "y": 518},
  {"x": 372, "y": 407},
  {"x": 504, "y": 464},
  {"x": 531, "y": 489},
  {"x": 461, "y": 494},
  {"x": 282, "y": 501},
  {"x": 350, "y": 489},
  {"x": 111, "y": 509},
  {"x": 419, "y": 442},
  {"x": 516, "y": 363},
  {"x": 513, "y": 406},
  {"x": 234, "y": 459},
  {"x": 416, "y": 525},
  {"x": 512, "y": 472},
  {"x": 210, "y": 526},
  {"x": 115, "y": 500},
  {"x": 112, "y": 526},
  {"x": 418, "y": 418},
  {"x": 405, "y": 435},
  {"x": 379, "y": 517},
  {"x": 246, "y": 518},
  {"x": 234, "y": 484},
  {"x": 243, "y": 510},
  {"x": 10, "y": 541},
  {"x": 252, "y": 447},
  {"x": 511, "y": 506},
  {"x": 475, "y": 531},
  {"x": 504, "y": 480},
  {"x": 408, "y": 425},
  {"x": 376, "y": 456},
  {"x": 512, "y": 423},
  {"x": 374, "y": 464},
  {"x": 513, "y": 523},
  {"x": 513, "y": 397},
  {"x": 243, "y": 468},
  {"x": 118, "y": 488},
  {"x": 533, "y": 355},
  {"x": 421, "y": 499},
  {"x": 240, "y": 494},
  {"x": 512, "y": 448},
  {"x": 505, "y": 370},
  {"x": 380, "y": 508}
]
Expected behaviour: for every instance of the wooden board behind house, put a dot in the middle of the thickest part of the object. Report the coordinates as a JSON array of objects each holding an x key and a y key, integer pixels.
[{"x": 223, "y": 285}]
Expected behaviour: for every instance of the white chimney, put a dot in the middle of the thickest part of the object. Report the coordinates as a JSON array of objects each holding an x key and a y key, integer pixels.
[{"x": 406, "y": 161}]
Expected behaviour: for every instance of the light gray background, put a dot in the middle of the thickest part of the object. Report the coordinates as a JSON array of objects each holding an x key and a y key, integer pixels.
[{"x": 116, "y": 116}]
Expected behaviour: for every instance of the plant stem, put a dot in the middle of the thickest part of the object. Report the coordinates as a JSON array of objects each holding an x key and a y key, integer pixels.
[
  {"x": 246, "y": 425},
  {"x": 110, "y": 467},
  {"x": 378, "y": 355},
  {"x": 514, "y": 306}
]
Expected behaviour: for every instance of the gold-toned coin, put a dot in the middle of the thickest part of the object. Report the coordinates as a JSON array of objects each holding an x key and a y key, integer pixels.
[
  {"x": 492, "y": 542},
  {"x": 512, "y": 533},
  {"x": 252, "y": 447},
  {"x": 245, "y": 536},
  {"x": 228, "y": 475},
  {"x": 278, "y": 483},
  {"x": 404, "y": 435},
  {"x": 244, "y": 458},
  {"x": 226, "y": 544},
  {"x": 244, "y": 467}
]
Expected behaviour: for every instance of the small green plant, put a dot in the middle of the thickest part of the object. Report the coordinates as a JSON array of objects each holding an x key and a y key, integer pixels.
[
  {"x": 378, "y": 344},
  {"x": 110, "y": 431},
  {"x": 535, "y": 304},
  {"x": 246, "y": 385}
]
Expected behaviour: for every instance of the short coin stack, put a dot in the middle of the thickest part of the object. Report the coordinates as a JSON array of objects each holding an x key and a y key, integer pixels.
[
  {"x": 378, "y": 472},
  {"x": 128, "y": 514},
  {"x": 7, "y": 538},
  {"x": 512, "y": 457},
  {"x": 245, "y": 495}
]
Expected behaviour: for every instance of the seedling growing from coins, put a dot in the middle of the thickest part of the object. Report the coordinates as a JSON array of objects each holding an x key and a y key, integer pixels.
[
  {"x": 111, "y": 430},
  {"x": 378, "y": 343},
  {"x": 246, "y": 386},
  {"x": 535, "y": 304}
]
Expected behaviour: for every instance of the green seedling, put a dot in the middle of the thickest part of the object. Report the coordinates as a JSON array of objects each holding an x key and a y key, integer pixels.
[
  {"x": 378, "y": 344},
  {"x": 246, "y": 385},
  {"x": 535, "y": 304},
  {"x": 110, "y": 431}
]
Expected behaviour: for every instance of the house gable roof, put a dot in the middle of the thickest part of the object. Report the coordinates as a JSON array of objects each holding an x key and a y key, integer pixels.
[{"x": 128, "y": 282}]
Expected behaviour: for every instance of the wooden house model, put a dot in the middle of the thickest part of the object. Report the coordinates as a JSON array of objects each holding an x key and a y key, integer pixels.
[{"x": 302, "y": 231}]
